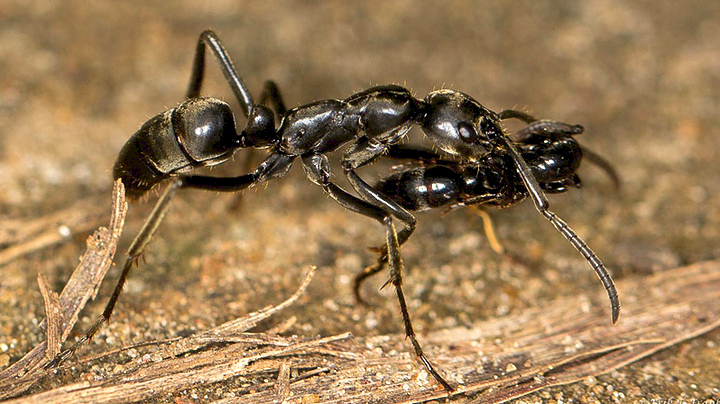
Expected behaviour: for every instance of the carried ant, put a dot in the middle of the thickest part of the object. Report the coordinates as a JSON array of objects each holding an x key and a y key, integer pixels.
[
  {"x": 433, "y": 181},
  {"x": 201, "y": 132}
]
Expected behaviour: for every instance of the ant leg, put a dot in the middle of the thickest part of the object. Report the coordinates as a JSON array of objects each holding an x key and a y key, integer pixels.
[
  {"x": 515, "y": 114},
  {"x": 544, "y": 127},
  {"x": 137, "y": 247},
  {"x": 274, "y": 166},
  {"x": 363, "y": 152},
  {"x": 318, "y": 171},
  {"x": 271, "y": 93},
  {"x": 490, "y": 231},
  {"x": 375, "y": 197},
  {"x": 396, "y": 279},
  {"x": 366, "y": 273},
  {"x": 542, "y": 205},
  {"x": 392, "y": 208},
  {"x": 209, "y": 38}
]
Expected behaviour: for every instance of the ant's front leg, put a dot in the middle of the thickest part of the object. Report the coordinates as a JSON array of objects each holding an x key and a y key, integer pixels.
[{"x": 364, "y": 151}]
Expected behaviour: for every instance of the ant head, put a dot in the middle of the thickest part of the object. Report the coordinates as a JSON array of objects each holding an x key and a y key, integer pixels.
[
  {"x": 260, "y": 129},
  {"x": 459, "y": 125},
  {"x": 206, "y": 129},
  {"x": 553, "y": 158}
]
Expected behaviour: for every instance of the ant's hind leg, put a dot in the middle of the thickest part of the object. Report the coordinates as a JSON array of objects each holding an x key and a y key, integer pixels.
[
  {"x": 209, "y": 38},
  {"x": 368, "y": 272},
  {"x": 271, "y": 93},
  {"x": 137, "y": 247}
]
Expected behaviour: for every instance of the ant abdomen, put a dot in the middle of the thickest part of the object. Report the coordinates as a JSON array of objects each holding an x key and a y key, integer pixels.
[
  {"x": 198, "y": 132},
  {"x": 422, "y": 188}
]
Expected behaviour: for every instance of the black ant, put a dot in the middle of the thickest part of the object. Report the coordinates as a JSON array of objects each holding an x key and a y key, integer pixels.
[
  {"x": 201, "y": 132},
  {"x": 432, "y": 181}
]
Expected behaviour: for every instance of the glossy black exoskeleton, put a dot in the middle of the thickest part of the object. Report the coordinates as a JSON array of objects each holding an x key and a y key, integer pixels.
[
  {"x": 198, "y": 132},
  {"x": 552, "y": 155},
  {"x": 553, "y": 159},
  {"x": 201, "y": 132}
]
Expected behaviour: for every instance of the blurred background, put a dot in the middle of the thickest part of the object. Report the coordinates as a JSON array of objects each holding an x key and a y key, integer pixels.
[{"x": 78, "y": 78}]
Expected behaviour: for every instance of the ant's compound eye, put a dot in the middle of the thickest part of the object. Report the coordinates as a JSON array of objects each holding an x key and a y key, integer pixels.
[{"x": 467, "y": 132}]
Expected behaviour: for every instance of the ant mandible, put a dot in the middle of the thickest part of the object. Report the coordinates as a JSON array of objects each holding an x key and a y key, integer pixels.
[{"x": 201, "y": 132}]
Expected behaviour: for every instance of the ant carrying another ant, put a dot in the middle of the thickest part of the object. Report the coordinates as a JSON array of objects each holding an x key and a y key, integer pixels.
[{"x": 481, "y": 163}]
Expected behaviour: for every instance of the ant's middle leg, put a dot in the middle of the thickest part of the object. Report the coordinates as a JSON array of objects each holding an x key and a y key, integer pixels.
[
  {"x": 364, "y": 151},
  {"x": 318, "y": 171},
  {"x": 360, "y": 154}
]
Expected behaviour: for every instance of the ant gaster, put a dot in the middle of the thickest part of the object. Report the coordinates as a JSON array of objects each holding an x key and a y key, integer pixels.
[{"x": 201, "y": 132}]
